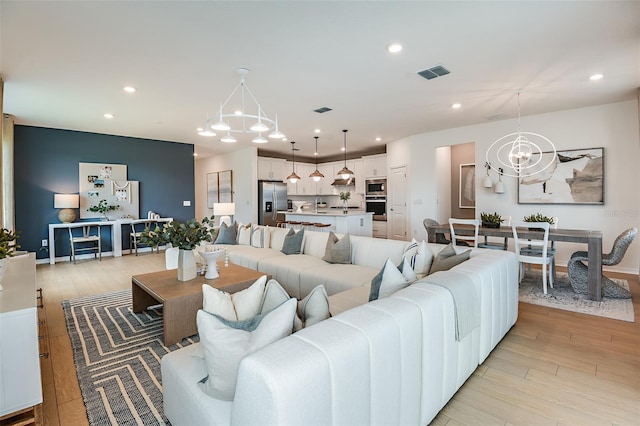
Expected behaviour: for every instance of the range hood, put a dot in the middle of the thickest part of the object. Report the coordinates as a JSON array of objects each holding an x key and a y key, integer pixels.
[{"x": 344, "y": 182}]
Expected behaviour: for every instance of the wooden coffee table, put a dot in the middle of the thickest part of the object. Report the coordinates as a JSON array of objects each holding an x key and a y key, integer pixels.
[{"x": 181, "y": 300}]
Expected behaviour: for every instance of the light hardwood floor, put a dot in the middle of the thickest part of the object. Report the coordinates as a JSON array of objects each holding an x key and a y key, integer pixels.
[{"x": 553, "y": 367}]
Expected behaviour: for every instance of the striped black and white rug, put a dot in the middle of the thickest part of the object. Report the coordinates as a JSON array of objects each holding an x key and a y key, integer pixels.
[{"x": 117, "y": 356}]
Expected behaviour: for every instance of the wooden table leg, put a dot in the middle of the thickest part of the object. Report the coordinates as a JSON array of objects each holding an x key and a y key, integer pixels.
[
  {"x": 140, "y": 299},
  {"x": 595, "y": 265},
  {"x": 179, "y": 317}
]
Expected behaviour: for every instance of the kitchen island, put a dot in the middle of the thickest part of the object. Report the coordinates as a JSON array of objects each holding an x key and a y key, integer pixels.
[{"x": 355, "y": 222}]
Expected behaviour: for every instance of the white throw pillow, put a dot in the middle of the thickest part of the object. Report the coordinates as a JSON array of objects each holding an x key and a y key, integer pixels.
[
  {"x": 260, "y": 237},
  {"x": 312, "y": 309},
  {"x": 239, "y": 306},
  {"x": 407, "y": 270},
  {"x": 388, "y": 281},
  {"x": 244, "y": 234},
  {"x": 420, "y": 257},
  {"x": 225, "y": 343}
]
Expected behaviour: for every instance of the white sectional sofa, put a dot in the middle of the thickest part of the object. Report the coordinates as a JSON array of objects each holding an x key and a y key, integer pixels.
[{"x": 392, "y": 361}]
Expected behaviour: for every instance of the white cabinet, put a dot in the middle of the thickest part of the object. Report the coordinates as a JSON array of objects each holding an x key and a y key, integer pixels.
[
  {"x": 19, "y": 348},
  {"x": 324, "y": 187},
  {"x": 379, "y": 229},
  {"x": 306, "y": 185},
  {"x": 375, "y": 166},
  {"x": 272, "y": 169}
]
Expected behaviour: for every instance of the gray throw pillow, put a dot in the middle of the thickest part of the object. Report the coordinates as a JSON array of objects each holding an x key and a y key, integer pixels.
[
  {"x": 226, "y": 234},
  {"x": 338, "y": 250},
  {"x": 292, "y": 243},
  {"x": 447, "y": 259}
]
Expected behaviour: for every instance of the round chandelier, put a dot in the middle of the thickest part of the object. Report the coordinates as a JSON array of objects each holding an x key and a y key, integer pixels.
[
  {"x": 250, "y": 118},
  {"x": 521, "y": 153}
]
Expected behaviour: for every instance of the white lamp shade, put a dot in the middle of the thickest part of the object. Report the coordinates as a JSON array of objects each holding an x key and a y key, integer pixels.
[
  {"x": 499, "y": 188},
  {"x": 224, "y": 209},
  {"x": 66, "y": 201},
  {"x": 487, "y": 182}
]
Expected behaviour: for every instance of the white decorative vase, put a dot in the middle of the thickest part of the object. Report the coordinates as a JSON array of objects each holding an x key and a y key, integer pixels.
[
  {"x": 211, "y": 257},
  {"x": 186, "y": 265},
  {"x": 3, "y": 267}
]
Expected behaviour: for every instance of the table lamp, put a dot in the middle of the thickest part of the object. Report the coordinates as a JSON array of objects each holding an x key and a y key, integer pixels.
[
  {"x": 225, "y": 210},
  {"x": 66, "y": 202}
]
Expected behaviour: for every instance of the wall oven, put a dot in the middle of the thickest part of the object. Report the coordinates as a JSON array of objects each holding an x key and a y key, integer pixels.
[
  {"x": 378, "y": 206},
  {"x": 375, "y": 187}
]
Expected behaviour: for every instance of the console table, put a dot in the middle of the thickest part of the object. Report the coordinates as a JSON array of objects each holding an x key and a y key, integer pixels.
[
  {"x": 593, "y": 239},
  {"x": 116, "y": 232}
]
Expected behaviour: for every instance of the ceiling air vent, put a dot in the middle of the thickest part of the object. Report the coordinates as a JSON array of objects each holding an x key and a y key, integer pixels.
[
  {"x": 322, "y": 110},
  {"x": 433, "y": 72}
]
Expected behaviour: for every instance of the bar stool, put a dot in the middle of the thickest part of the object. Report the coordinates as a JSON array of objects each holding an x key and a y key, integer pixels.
[
  {"x": 306, "y": 225},
  {"x": 322, "y": 227},
  {"x": 294, "y": 224},
  {"x": 281, "y": 224}
]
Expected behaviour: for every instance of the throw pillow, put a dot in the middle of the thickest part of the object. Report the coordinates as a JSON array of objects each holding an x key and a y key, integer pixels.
[
  {"x": 226, "y": 234},
  {"x": 244, "y": 234},
  {"x": 338, "y": 250},
  {"x": 261, "y": 237},
  {"x": 315, "y": 307},
  {"x": 292, "y": 243},
  {"x": 225, "y": 343},
  {"x": 388, "y": 281},
  {"x": 447, "y": 259},
  {"x": 407, "y": 270},
  {"x": 421, "y": 260},
  {"x": 312, "y": 309},
  {"x": 239, "y": 306}
]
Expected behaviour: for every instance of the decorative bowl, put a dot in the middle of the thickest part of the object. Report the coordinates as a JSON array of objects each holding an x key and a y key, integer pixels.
[{"x": 298, "y": 205}]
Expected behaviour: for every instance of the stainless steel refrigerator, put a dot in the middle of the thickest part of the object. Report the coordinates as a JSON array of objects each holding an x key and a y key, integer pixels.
[{"x": 272, "y": 198}]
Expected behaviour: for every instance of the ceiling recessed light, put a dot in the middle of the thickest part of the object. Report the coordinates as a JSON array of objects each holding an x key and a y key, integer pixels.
[
  {"x": 316, "y": 131},
  {"x": 394, "y": 47},
  {"x": 195, "y": 154},
  {"x": 456, "y": 105},
  {"x": 129, "y": 89},
  {"x": 378, "y": 139},
  {"x": 595, "y": 77},
  {"x": 109, "y": 115}
]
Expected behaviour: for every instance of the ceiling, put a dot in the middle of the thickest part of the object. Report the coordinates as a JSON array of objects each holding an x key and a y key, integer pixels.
[{"x": 65, "y": 63}]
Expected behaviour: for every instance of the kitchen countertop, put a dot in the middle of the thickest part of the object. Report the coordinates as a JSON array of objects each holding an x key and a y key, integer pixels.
[{"x": 328, "y": 212}]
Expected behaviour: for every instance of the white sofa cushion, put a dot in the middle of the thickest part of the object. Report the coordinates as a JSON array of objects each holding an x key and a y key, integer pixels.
[
  {"x": 287, "y": 271},
  {"x": 348, "y": 299},
  {"x": 249, "y": 257},
  {"x": 335, "y": 278},
  {"x": 260, "y": 237},
  {"x": 244, "y": 234},
  {"x": 374, "y": 252},
  {"x": 225, "y": 343}
]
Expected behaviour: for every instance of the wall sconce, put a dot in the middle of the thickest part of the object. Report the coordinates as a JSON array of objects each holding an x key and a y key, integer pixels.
[
  {"x": 499, "y": 188},
  {"x": 487, "y": 182}
]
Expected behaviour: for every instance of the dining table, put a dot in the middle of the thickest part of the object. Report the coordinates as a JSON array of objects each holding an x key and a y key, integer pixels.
[{"x": 593, "y": 239}]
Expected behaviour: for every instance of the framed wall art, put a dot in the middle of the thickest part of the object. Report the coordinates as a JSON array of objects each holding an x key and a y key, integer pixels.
[
  {"x": 575, "y": 177},
  {"x": 467, "y": 190},
  {"x": 219, "y": 188},
  {"x": 99, "y": 181}
]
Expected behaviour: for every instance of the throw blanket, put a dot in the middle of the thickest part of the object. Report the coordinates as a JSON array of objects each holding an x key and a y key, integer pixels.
[{"x": 465, "y": 299}]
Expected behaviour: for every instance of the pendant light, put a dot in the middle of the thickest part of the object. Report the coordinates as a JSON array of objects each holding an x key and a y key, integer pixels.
[
  {"x": 499, "y": 188},
  {"x": 316, "y": 175},
  {"x": 345, "y": 173},
  {"x": 293, "y": 177}
]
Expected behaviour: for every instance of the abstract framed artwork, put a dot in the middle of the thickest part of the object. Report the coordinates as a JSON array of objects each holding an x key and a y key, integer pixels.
[
  {"x": 575, "y": 177},
  {"x": 467, "y": 190},
  {"x": 219, "y": 188}
]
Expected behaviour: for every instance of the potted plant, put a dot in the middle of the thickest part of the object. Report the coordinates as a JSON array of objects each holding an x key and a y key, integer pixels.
[
  {"x": 344, "y": 196},
  {"x": 183, "y": 236},
  {"x": 103, "y": 207},
  {"x": 538, "y": 217},
  {"x": 8, "y": 247},
  {"x": 491, "y": 220}
]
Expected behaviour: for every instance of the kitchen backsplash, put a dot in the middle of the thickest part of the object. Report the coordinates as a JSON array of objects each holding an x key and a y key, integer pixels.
[{"x": 356, "y": 200}]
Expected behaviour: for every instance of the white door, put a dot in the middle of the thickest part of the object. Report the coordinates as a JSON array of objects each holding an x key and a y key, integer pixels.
[{"x": 397, "y": 200}]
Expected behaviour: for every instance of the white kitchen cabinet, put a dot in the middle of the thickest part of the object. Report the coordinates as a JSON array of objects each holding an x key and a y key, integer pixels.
[
  {"x": 306, "y": 185},
  {"x": 324, "y": 187},
  {"x": 375, "y": 166},
  {"x": 272, "y": 169},
  {"x": 379, "y": 229},
  {"x": 19, "y": 347},
  {"x": 358, "y": 170}
]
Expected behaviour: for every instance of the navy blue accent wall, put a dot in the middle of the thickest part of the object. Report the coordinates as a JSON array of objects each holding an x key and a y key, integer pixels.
[{"x": 46, "y": 162}]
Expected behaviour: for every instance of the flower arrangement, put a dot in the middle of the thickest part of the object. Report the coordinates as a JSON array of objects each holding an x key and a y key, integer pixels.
[
  {"x": 103, "y": 207},
  {"x": 491, "y": 220},
  {"x": 345, "y": 195},
  {"x": 183, "y": 235},
  {"x": 538, "y": 218},
  {"x": 8, "y": 244}
]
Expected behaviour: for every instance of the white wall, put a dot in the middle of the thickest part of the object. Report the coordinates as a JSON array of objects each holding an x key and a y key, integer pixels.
[
  {"x": 244, "y": 164},
  {"x": 612, "y": 126}
]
